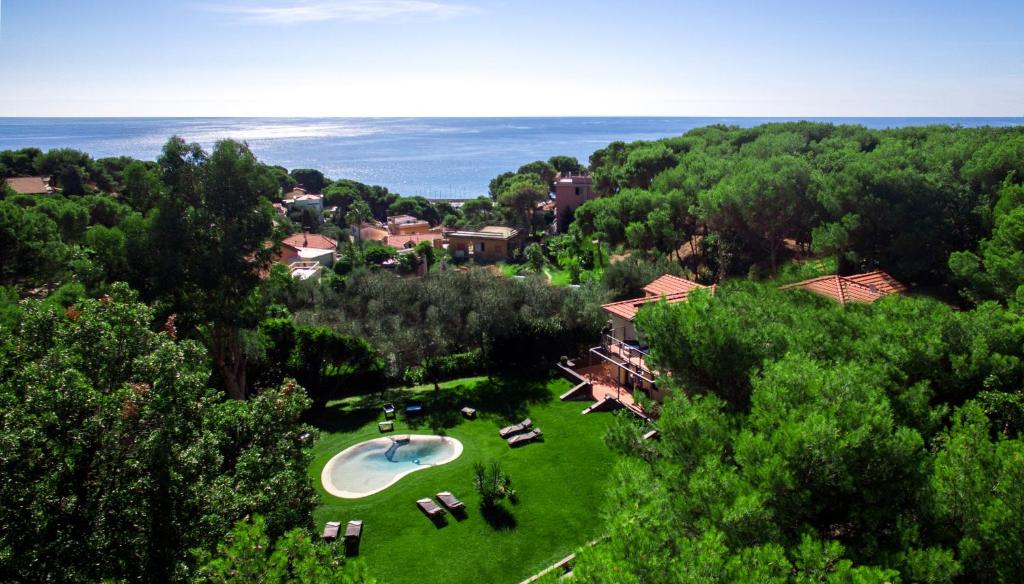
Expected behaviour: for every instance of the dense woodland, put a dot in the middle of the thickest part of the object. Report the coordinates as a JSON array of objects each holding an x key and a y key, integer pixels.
[{"x": 156, "y": 368}]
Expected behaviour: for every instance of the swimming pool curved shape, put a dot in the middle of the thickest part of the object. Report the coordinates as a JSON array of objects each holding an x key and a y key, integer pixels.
[{"x": 372, "y": 466}]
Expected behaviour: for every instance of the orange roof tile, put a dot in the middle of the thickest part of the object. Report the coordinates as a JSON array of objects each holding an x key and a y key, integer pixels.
[
  {"x": 671, "y": 288},
  {"x": 313, "y": 240},
  {"x": 866, "y": 287},
  {"x": 669, "y": 284}
]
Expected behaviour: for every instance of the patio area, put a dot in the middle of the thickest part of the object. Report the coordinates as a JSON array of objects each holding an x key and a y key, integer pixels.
[{"x": 602, "y": 378}]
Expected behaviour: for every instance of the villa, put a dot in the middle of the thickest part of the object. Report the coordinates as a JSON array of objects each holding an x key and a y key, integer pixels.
[
  {"x": 866, "y": 287},
  {"x": 306, "y": 254},
  {"x": 617, "y": 368},
  {"x": 490, "y": 244}
]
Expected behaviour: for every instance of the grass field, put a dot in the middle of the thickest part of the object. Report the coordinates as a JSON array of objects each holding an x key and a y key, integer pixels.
[{"x": 560, "y": 483}]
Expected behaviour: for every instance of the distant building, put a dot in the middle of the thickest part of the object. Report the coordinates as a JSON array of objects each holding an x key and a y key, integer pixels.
[
  {"x": 298, "y": 199},
  {"x": 571, "y": 191},
  {"x": 369, "y": 231},
  {"x": 307, "y": 247},
  {"x": 490, "y": 244},
  {"x": 30, "y": 185},
  {"x": 407, "y": 225},
  {"x": 859, "y": 288},
  {"x": 404, "y": 243}
]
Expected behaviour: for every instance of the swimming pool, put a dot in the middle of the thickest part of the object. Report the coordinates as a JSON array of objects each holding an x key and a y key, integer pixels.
[{"x": 372, "y": 466}]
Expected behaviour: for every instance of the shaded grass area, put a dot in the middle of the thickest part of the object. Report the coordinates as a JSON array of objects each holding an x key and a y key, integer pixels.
[{"x": 560, "y": 483}]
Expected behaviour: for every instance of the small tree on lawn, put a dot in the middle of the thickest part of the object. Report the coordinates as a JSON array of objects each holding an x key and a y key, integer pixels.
[{"x": 492, "y": 483}]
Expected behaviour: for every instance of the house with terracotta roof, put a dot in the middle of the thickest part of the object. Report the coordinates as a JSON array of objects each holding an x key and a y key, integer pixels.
[
  {"x": 613, "y": 372},
  {"x": 307, "y": 247},
  {"x": 622, "y": 313},
  {"x": 490, "y": 244},
  {"x": 30, "y": 185},
  {"x": 866, "y": 287}
]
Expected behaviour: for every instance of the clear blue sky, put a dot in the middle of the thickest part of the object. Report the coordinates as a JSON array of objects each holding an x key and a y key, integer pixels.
[{"x": 512, "y": 57}]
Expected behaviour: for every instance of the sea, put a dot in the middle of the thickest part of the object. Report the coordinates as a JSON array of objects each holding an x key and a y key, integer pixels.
[{"x": 440, "y": 158}]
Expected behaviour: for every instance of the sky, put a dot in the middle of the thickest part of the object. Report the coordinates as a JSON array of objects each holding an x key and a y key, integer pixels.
[{"x": 311, "y": 58}]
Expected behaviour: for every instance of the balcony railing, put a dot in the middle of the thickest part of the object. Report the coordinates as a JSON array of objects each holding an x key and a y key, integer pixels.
[{"x": 632, "y": 359}]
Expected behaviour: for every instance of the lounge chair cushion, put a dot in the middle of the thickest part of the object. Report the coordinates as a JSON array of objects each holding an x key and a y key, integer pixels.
[{"x": 331, "y": 529}]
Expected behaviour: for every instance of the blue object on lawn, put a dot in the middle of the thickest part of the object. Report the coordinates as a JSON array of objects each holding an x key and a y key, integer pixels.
[{"x": 413, "y": 409}]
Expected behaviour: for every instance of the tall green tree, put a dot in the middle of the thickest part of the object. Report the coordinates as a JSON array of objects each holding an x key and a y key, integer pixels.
[{"x": 119, "y": 462}]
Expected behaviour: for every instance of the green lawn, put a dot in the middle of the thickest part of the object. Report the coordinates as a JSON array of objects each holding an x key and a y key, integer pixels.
[{"x": 560, "y": 483}]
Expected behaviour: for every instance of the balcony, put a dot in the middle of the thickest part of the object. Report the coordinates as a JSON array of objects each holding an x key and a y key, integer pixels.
[{"x": 625, "y": 356}]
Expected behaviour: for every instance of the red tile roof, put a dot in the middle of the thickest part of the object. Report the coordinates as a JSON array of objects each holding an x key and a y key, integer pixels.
[
  {"x": 671, "y": 288},
  {"x": 859, "y": 288},
  {"x": 668, "y": 285},
  {"x": 313, "y": 240}
]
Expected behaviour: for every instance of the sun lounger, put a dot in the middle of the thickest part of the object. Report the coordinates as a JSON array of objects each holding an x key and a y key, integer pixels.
[
  {"x": 331, "y": 530},
  {"x": 450, "y": 501},
  {"x": 354, "y": 530},
  {"x": 520, "y": 439},
  {"x": 429, "y": 507},
  {"x": 515, "y": 429}
]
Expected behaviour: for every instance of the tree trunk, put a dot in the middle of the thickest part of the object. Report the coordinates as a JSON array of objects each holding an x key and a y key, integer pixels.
[{"x": 226, "y": 350}]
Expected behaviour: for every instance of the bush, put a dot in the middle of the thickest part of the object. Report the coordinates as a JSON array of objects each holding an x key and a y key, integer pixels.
[{"x": 492, "y": 483}]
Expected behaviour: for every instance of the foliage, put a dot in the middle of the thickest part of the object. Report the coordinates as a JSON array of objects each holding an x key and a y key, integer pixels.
[
  {"x": 492, "y": 483},
  {"x": 535, "y": 258},
  {"x": 865, "y": 196},
  {"x": 794, "y": 444},
  {"x": 118, "y": 460},
  {"x": 514, "y": 324},
  {"x": 311, "y": 180},
  {"x": 248, "y": 555},
  {"x": 418, "y": 207}
]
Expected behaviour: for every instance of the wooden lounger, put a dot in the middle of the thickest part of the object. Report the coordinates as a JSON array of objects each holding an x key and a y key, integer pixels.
[
  {"x": 450, "y": 501},
  {"x": 520, "y": 439},
  {"x": 517, "y": 428},
  {"x": 429, "y": 507},
  {"x": 331, "y": 530},
  {"x": 354, "y": 530}
]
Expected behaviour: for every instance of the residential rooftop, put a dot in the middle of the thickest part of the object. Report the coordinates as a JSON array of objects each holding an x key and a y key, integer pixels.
[
  {"x": 673, "y": 289},
  {"x": 489, "y": 232},
  {"x": 310, "y": 240},
  {"x": 866, "y": 287}
]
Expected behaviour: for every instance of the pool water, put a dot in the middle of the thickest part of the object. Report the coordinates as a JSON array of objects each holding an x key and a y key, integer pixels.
[{"x": 372, "y": 466}]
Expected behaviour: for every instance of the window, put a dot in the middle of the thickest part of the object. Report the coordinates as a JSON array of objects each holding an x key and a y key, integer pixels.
[{"x": 578, "y": 189}]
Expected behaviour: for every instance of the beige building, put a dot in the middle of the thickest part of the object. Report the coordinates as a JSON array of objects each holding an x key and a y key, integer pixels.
[{"x": 490, "y": 244}]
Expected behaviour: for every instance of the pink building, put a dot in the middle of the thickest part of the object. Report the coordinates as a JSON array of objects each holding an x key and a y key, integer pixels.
[{"x": 571, "y": 191}]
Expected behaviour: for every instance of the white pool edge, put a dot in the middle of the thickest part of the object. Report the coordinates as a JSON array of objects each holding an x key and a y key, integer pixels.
[{"x": 325, "y": 474}]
